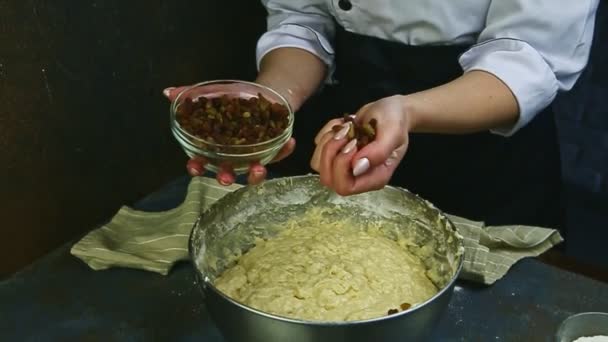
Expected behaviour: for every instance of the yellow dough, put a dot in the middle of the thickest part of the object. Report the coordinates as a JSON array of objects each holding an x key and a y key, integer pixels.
[{"x": 327, "y": 272}]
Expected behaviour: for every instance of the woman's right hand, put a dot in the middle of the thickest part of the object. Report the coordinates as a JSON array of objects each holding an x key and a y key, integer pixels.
[
  {"x": 257, "y": 172},
  {"x": 347, "y": 170}
]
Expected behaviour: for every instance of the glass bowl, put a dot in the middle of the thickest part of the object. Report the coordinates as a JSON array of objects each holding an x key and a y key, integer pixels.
[
  {"x": 233, "y": 157},
  {"x": 585, "y": 324}
]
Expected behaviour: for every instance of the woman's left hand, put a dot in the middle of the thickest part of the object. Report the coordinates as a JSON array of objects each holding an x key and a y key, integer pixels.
[
  {"x": 257, "y": 172},
  {"x": 347, "y": 170}
]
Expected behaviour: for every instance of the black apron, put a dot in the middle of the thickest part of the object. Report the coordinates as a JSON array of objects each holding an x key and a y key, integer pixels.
[{"x": 480, "y": 176}]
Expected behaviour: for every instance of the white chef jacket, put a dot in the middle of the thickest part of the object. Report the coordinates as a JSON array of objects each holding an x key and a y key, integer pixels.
[{"x": 536, "y": 47}]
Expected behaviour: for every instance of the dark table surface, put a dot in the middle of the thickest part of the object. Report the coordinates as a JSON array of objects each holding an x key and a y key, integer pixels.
[{"x": 59, "y": 298}]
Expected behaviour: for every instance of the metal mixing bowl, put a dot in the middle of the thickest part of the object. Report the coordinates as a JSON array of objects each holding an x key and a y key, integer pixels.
[{"x": 231, "y": 225}]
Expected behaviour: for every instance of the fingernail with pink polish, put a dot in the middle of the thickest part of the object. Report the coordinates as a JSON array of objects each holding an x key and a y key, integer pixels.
[
  {"x": 350, "y": 146},
  {"x": 391, "y": 159},
  {"x": 342, "y": 132},
  {"x": 167, "y": 91},
  {"x": 361, "y": 166},
  {"x": 194, "y": 172},
  {"x": 258, "y": 173},
  {"x": 223, "y": 181}
]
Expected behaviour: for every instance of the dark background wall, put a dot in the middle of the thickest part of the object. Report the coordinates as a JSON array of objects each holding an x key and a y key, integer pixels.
[
  {"x": 84, "y": 127},
  {"x": 582, "y": 119},
  {"x": 83, "y": 124}
]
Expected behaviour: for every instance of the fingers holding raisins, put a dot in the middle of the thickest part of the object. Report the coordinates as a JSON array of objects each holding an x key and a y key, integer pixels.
[
  {"x": 364, "y": 133},
  {"x": 232, "y": 125}
]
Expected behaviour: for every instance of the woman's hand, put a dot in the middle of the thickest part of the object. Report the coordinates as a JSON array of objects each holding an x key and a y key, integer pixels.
[
  {"x": 476, "y": 101},
  {"x": 347, "y": 170},
  {"x": 295, "y": 84},
  {"x": 257, "y": 172}
]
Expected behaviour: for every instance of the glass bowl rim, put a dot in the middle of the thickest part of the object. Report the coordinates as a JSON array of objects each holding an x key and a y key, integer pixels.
[{"x": 564, "y": 326}]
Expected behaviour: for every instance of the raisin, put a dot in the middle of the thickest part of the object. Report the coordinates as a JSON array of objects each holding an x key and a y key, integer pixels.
[
  {"x": 405, "y": 306},
  {"x": 235, "y": 121},
  {"x": 364, "y": 133}
]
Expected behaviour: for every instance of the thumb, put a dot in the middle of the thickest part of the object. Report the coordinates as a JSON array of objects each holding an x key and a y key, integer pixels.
[{"x": 172, "y": 92}]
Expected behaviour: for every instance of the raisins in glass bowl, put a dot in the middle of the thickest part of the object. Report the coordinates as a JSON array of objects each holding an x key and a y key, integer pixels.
[{"x": 231, "y": 123}]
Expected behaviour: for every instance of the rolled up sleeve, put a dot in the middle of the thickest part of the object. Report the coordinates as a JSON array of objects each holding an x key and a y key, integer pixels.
[
  {"x": 537, "y": 48},
  {"x": 300, "y": 24}
]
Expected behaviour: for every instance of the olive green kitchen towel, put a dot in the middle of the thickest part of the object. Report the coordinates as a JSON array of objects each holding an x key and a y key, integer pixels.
[
  {"x": 155, "y": 241},
  {"x": 152, "y": 241}
]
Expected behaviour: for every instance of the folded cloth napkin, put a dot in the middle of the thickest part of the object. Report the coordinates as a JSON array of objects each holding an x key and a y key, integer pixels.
[{"x": 155, "y": 241}]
